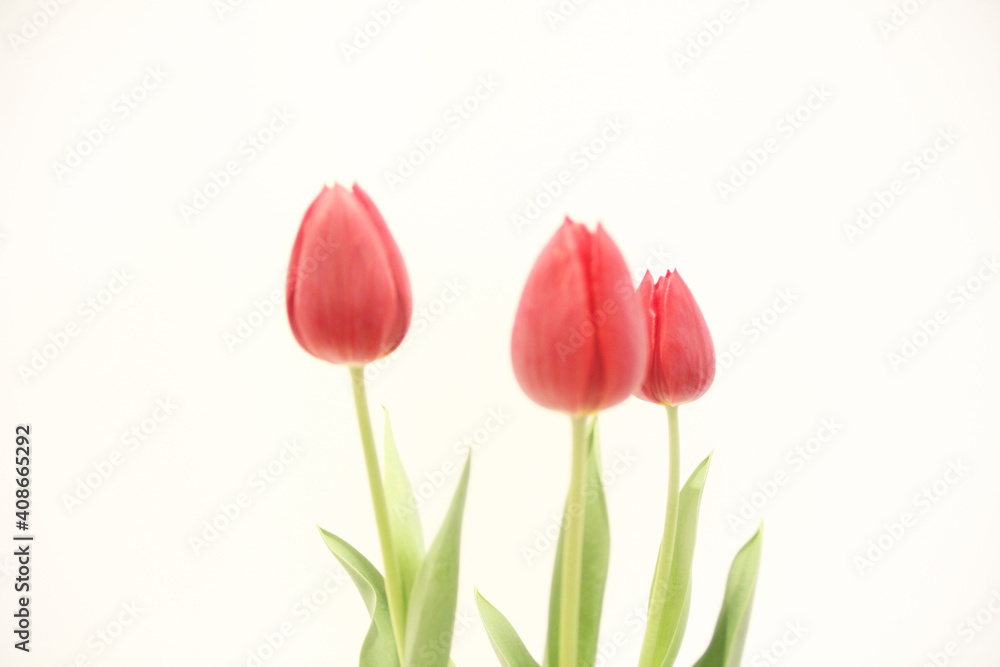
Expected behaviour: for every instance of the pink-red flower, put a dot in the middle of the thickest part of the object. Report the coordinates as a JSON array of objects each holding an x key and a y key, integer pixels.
[
  {"x": 348, "y": 293},
  {"x": 681, "y": 354},
  {"x": 579, "y": 342}
]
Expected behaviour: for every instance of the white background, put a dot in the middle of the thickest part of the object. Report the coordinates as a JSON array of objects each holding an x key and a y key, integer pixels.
[{"x": 655, "y": 186}]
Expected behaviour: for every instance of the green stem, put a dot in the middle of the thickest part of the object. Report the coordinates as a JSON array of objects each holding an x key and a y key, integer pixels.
[
  {"x": 661, "y": 579},
  {"x": 397, "y": 610},
  {"x": 572, "y": 565}
]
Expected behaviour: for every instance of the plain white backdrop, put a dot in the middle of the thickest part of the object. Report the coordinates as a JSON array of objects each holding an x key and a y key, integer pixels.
[{"x": 119, "y": 121}]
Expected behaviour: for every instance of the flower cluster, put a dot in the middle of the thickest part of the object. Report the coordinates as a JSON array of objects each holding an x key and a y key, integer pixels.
[{"x": 584, "y": 339}]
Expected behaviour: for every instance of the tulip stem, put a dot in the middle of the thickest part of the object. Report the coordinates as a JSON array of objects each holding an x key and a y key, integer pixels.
[
  {"x": 572, "y": 562},
  {"x": 654, "y": 646},
  {"x": 397, "y": 610}
]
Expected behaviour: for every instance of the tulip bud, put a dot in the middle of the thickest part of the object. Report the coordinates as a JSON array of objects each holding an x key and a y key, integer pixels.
[
  {"x": 681, "y": 354},
  {"x": 348, "y": 293},
  {"x": 579, "y": 342}
]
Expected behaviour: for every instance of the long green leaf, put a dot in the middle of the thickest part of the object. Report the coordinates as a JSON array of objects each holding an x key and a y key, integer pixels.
[
  {"x": 404, "y": 520},
  {"x": 379, "y": 648},
  {"x": 506, "y": 643},
  {"x": 431, "y": 615},
  {"x": 678, "y": 591},
  {"x": 726, "y": 648},
  {"x": 596, "y": 551}
]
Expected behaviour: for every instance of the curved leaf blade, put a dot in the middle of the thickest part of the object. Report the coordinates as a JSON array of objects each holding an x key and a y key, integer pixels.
[
  {"x": 596, "y": 553},
  {"x": 431, "y": 614},
  {"x": 678, "y": 591},
  {"x": 404, "y": 520},
  {"x": 379, "y": 647},
  {"x": 508, "y": 646},
  {"x": 726, "y": 648}
]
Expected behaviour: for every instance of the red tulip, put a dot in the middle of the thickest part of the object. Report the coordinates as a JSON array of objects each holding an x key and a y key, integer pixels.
[
  {"x": 682, "y": 357},
  {"x": 578, "y": 344},
  {"x": 348, "y": 293}
]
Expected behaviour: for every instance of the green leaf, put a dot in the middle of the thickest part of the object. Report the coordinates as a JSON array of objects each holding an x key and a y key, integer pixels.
[
  {"x": 678, "y": 591},
  {"x": 404, "y": 520},
  {"x": 596, "y": 551},
  {"x": 379, "y": 648},
  {"x": 506, "y": 643},
  {"x": 726, "y": 648},
  {"x": 431, "y": 614}
]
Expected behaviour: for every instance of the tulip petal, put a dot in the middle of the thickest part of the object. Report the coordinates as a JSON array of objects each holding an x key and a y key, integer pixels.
[
  {"x": 684, "y": 347},
  {"x": 682, "y": 357},
  {"x": 617, "y": 317},
  {"x": 348, "y": 293},
  {"x": 553, "y": 360},
  {"x": 397, "y": 268},
  {"x": 316, "y": 211}
]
